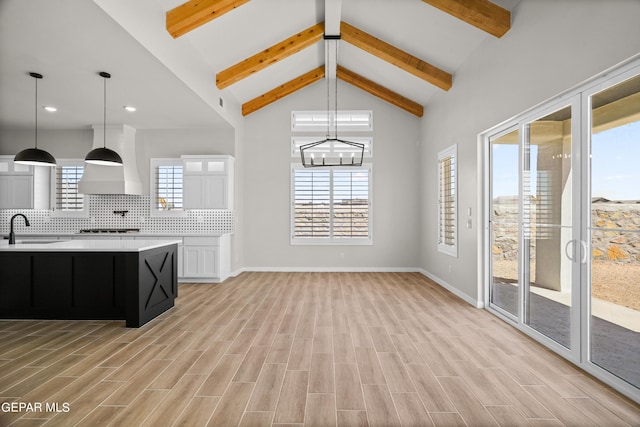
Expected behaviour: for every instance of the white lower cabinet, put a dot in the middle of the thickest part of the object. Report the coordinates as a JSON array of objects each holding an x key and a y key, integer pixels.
[
  {"x": 206, "y": 258},
  {"x": 200, "y": 261}
]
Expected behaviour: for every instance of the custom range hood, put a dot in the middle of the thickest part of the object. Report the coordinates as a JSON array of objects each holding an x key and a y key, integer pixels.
[{"x": 98, "y": 179}]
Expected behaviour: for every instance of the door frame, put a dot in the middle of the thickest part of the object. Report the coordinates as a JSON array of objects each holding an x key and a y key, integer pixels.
[{"x": 580, "y": 99}]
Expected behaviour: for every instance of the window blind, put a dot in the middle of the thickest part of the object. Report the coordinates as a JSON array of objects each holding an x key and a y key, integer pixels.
[
  {"x": 67, "y": 197},
  {"x": 169, "y": 181},
  {"x": 350, "y": 203},
  {"x": 331, "y": 203},
  {"x": 447, "y": 239},
  {"x": 312, "y": 203}
]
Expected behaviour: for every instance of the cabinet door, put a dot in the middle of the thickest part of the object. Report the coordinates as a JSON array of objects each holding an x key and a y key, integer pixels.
[
  {"x": 209, "y": 257},
  {"x": 215, "y": 192},
  {"x": 190, "y": 261},
  {"x": 23, "y": 191},
  {"x": 192, "y": 192},
  {"x": 16, "y": 192},
  {"x": 200, "y": 261},
  {"x": 5, "y": 199}
]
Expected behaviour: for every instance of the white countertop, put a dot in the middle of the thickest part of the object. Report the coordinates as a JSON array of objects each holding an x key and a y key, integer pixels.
[
  {"x": 100, "y": 235},
  {"x": 84, "y": 245}
]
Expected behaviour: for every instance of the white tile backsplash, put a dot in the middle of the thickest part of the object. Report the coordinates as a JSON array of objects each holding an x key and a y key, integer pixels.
[{"x": 101, "y": 207}]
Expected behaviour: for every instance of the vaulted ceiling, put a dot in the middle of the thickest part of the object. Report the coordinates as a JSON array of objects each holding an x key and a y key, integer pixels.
[
  {"x": 206, "y": 17},
  {"x": 181, "y": 60}
]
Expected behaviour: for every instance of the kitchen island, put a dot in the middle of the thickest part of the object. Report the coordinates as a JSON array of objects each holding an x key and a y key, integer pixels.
[{"x": 134, "y": 280}]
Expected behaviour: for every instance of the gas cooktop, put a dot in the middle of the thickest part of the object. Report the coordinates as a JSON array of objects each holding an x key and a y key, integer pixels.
[{"x": 109, "y": 230}]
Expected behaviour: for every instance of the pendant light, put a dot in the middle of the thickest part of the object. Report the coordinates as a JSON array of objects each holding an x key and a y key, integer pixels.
[
  {"x": 103, "y": 155},
  {"x": 35, "y": 156},
  {"x": 334, "y": 145}
]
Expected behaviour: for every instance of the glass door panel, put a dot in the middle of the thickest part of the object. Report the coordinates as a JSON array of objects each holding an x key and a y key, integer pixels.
[
  {"x": 615, "y": 230},
  {"x": 505, "y": 217},
  {"x": 547, "y": 225}
]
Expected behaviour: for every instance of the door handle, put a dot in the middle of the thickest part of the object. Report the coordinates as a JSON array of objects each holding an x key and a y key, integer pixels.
[
  {"x": 566, "y": 250},
  {"x": 585, "y": 250}
]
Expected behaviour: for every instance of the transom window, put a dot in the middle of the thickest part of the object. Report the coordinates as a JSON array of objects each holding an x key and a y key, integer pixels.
[{"x": 320, "y": 121}]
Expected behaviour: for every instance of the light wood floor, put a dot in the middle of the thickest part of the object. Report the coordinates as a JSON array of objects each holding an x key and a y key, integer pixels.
[{"x": 319, "y": 349}]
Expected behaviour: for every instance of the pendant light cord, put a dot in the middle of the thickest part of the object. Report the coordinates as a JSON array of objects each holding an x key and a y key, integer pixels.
[
  {"x": 104, "y": 115},
  {"x": 326, "y": 61},
  {"x": 36, "y": 112}
]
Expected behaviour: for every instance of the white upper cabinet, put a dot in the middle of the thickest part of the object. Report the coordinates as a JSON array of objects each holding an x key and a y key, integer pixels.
[
  {"x": 208, "y": 182},
  {"x": 22, "y": 186},
  {"x": 16, "y": 185}
]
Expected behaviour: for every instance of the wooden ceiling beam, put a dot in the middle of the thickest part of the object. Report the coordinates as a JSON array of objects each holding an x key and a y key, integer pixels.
[
  {"x": 271, "y": 55},
  {"x": 380, "y": 91},
  {"x": 283, "y": 90},
  {"x": 482, "y": 14},
  {"x": 395, "y": 56},
  {"x": 194, "y": 13}
]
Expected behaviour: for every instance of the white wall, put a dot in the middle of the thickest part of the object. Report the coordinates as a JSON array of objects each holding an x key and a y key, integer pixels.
[
  {"x": 62, "y": 144},
  {"x": 75, "y": 144},
  {"x": 551, "y": 47},
  {"x": 267, "y": 168},
  {"x": 175, "y": 142}
]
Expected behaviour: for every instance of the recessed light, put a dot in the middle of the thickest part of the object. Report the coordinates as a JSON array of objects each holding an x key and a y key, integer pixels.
[
  {"x": 50, "y": 109},
  {"x": 129, "y": 108}
]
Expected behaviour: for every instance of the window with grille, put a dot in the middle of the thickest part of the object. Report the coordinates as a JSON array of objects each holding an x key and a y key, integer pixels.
[
  {"x": 344, "y": 120},
  {"x": 331, "y": 205},
  {"x": 447, "y": 202},
  {"x": 66, "y": 199},
  {"x": 167, "y": 187}
]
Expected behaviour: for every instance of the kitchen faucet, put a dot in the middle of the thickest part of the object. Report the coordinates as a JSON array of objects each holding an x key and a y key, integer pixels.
[{"x": 12, "y": 235}]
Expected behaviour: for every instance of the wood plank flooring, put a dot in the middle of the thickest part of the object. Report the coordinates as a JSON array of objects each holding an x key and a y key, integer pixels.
[{"x": 315, "y": 349}]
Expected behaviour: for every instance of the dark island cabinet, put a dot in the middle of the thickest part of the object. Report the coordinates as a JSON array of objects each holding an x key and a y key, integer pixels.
[{"x": 135, "y": 286}]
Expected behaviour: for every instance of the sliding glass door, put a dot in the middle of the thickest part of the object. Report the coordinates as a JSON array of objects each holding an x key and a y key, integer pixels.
[
  {"x": 562, "y": 230},
  {"x": 614, "y": 229},
  {"x": 549, "y": 231},
  {"x": 505, "y": 217}
]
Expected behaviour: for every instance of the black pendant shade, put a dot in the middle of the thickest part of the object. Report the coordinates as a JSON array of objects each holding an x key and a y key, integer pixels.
[
  {"x": 35, "y": 156},
  {"x": 102, "y": 155}
]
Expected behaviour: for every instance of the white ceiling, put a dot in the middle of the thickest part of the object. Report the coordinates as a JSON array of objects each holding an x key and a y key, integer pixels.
[{"x": 69, "y": 41}]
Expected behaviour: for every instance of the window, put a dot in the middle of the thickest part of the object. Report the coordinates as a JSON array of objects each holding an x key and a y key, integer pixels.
[
  {"x": 447, "y": 202},
  {"x": 320, "y": 121},
  {"x": 66, "y": 199},
  {"x": 166, "y": 187},
  {"x": 332, "y": 147},
  {"x": 331, "y": 205}
]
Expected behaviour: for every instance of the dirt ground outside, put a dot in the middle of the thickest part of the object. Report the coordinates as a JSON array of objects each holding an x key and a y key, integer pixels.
[{"x": 616, "y": 283}]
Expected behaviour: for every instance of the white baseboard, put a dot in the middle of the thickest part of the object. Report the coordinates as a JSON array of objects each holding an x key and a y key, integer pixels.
[
  {"x": 332, "y": 269},
  {"x": 453, "y": 290}
]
